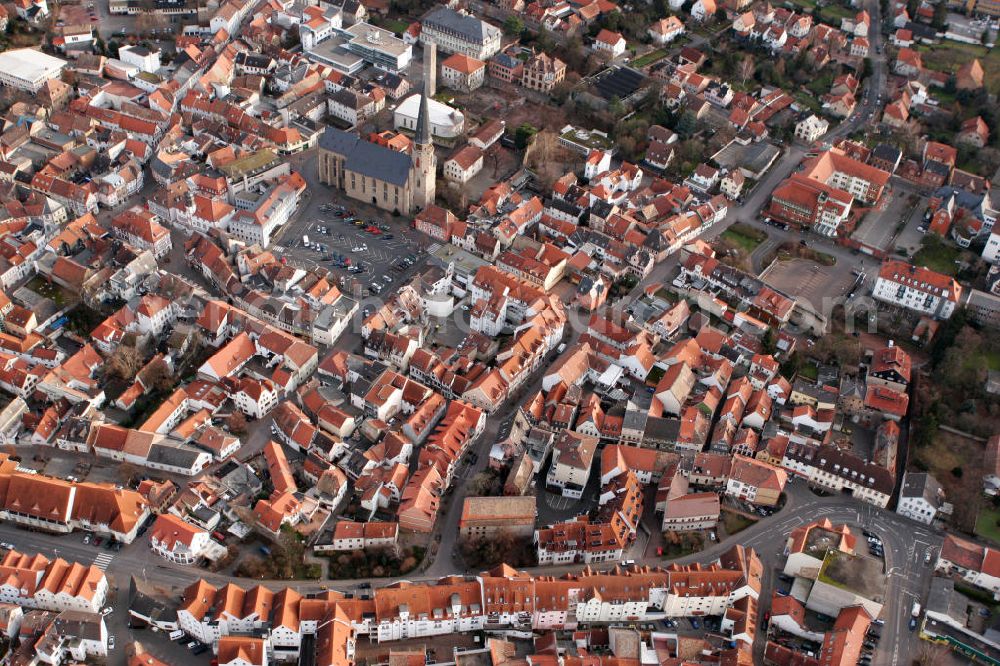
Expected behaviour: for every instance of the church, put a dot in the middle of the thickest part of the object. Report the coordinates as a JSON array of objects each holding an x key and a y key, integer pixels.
[{"x": 379, "y": 175}]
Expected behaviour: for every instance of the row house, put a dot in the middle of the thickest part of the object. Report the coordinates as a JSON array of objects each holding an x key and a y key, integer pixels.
[
  {"x": 34, "y": 581},
  {"x": 497, "y": 599}
]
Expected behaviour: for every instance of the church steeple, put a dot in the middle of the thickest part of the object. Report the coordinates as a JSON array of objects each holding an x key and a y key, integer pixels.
[
  {"x": 424, "y": 160},
  {"x": 423, "y": 121}
]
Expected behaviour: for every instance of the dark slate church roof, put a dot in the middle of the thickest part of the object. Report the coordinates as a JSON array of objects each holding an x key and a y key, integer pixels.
[{"x": 367, "y": 159}]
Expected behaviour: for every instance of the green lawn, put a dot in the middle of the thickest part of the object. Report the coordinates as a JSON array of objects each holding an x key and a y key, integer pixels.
[
  {"x": 936, "y": 255},
  {"x": 988, "y": 359},
  {"x": 395, "y": 25},
  {"x": 742, "y": 239},
  {"x": 986, "y": 524},
  {"x": 588, "y": 139},
  {"x": 734, "y": 522},
  {"x": 827, "y": 12},
  {"x": 809, "y": 371},
  {"x": 41, "y": 287},
  {"x": 949, "y": 56},
  {"x": 667, "y": 295},
  {"x": 820, "y": 85},
  {"x": 654, "y": 376},
  {"x": 807, "y": 100},
  {"x": 824, "y": 258},
  {"x": 650, "y": 58}
]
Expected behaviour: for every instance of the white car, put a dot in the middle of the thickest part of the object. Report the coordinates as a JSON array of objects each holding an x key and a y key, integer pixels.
[
  {"x": 111, "y": 642},
  {"x": 107, "y": 611},
  {"x": 465, "y": 307},
  {"x": 357, "y": 249}
]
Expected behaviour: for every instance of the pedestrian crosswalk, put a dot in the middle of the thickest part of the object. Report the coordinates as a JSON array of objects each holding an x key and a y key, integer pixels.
[{"x": 103, "y": 560}]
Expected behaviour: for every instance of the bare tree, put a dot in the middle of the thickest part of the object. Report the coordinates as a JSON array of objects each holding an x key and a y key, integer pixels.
[
  {"x": 328, "y": 484},
  {"x": 542, "y": 149},
  {"x": 545, "y": 156},
  {"x": 125, "y": 362},
  {"x": 484, "y": 484},
  {"x": 237, "y": 423},
  {"x": 493, "y": 156},
  {"x": 246, "y": 516},
  {"x": 454, "y": 198},
  {"x": 746, "y": 69},
  {"x": 930, "y": 654},
  {"x": 127, "y": 472},
  {"x": 157, "y": 376}
]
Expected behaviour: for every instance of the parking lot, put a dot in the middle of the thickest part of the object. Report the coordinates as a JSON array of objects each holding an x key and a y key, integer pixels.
[
  {"x": 882, "y": 224},
  {"x": 375, "y": 248},
  {"x": 911, "y": 238},
  {"x": 809, "y": 281}
]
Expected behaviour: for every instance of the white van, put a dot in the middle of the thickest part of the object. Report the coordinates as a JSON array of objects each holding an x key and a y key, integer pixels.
[{"x": 175, "y": 635}]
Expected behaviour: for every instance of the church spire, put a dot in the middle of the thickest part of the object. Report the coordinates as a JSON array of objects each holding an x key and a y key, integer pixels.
[{"x": 423, "y": 121}]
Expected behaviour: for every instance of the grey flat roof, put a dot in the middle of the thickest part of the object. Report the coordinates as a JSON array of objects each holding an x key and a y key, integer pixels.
[{"x": 367, "y": 159}]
